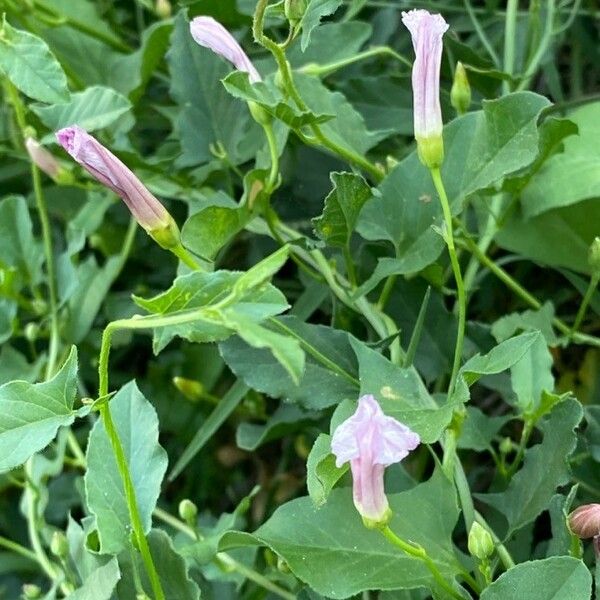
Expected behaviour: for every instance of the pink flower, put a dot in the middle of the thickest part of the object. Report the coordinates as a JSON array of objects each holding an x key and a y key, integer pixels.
[
  {"x": 104, "y": 166},
  {"x": 427, "y": 31},
  {"x": 371, "y": 441},
  {"x": 212, "y": 35},
  {"x": 585, "y": 521},
  {"x": 42, "y": 158}
]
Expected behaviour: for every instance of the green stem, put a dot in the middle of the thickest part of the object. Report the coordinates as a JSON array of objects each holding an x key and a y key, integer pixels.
[
  {"x": 460, "y": 289},
  {"x": 186, "y": 257},
  {"x": 351, "y": 271},
  {"x": 324, "y": 70},
  {"x": 225, "y": 559},
  {"x": 585, "y": 302},
  {"x": 481, "y": 33},
  {"x": 136, "y": 521},
  {"x": 510, "y": 29},
  {"x": 419, "y": 552},
  {"x": 274, "y": 153},
  {"x": 525, "y": 435},
  {"x": 386, "y": 291},
  {"x": 18, "y": 549}
]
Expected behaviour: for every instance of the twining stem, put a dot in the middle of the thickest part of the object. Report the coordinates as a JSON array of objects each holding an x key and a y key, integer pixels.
[
  {"x": 225, "y": 559},
  {"x": 286, "y": 73},
  {"x": 460, "y": 288},
  {"x": 419, "y": 552},
  {"x": 274, "y": 154},
  {"x": 594, "y": 279}
]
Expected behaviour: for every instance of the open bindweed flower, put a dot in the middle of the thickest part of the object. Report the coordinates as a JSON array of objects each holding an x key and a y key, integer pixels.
[
  {"x": 427, "y": 31},
  {"x": 104, "y": 166},
  {"x": 371, "y": 441},
  {"x": 212, "y": 35},
  {"x": 43, "y": 159}
]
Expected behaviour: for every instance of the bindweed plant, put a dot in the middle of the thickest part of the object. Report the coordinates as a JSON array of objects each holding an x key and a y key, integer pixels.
[{"x": 298, "y": 299}]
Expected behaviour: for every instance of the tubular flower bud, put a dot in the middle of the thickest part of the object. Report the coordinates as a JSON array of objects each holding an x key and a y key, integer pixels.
[
  {"x": 480, "y": 542},
  {"x": 42, "y": 158},
  {"x": 212, "y": 35},
  {"x": 371, "y": 441},
  {"x": 104, "y": 166},
  {"x": 460, "y": 94},
  {"x": 426, "y": 31},
  {"x": 585, "y": 521}
]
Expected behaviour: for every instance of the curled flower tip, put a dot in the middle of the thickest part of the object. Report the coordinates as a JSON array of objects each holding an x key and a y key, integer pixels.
[
  {"x": 104, "y": 166},
  {"x": 426, "y": 31},
  {"x": 371, "y": 441},
  {"x": 42, "y": 158},
  {"x": 212, "y": 35},
  {"x": 585, "y": 521}
]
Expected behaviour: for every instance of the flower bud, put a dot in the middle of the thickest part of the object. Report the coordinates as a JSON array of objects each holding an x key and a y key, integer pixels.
[
  {"x": 460, "y": 94},
  {"x": 480, "y": 543},
  {"x": 259, "y": 114},
  {"x": 59, "y": 546},
  {"x": 585, "y": 521},
  {"x": 31, "y": 332},
  {"x": 188, "y": 511},
  {"x": 163, "y": 9},
  {"x": 192, "y": 390},
  {"x": 31, "y": 591},
  {"x": 42, "y": 159},
  {"x": 594, "y": 256},
  {"x": 294, "y": 10}
]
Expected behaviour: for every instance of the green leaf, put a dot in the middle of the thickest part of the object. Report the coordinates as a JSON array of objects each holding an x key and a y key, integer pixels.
[
  {"x": 544, "y": 469},
  {"x": 478, "y": 430},
  {"x": 94, "y": 108},
  {"x": 401, "y": 393},
  {"x": 342, "y": 207},
  {"x": 541, "y": 319},
  {"x": 571, "y": 176},
  {"x": 208, "y": 114},
  {"x": 321, "y": 472},
  {"x": 480, "y": 148},
  {"x": 555, "y": 578},
  {"x": 331, "y": 550},
  {"x": 330, "y": 372},
  {"x": 13, "y": 365},
  {"x": 170, "y": 566},
  {"x": 30, "y": 66},
  {"x": 31, "y": 414},
  {"x": 315, "y": 11},
  {"x": 8, "y": 312},
  {"x": 18, "y": 246},
  {"x": 100, "y": 584},
  {"x": 137, "y": 425}
]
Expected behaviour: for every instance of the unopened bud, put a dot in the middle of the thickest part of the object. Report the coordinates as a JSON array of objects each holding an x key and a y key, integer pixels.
[
  {"x": 294, "y": 10},
  {"x": 480, "y": 543},
  {"x": 460, "y": 94},
  {"x": 163, "y": 9},
  {"x": 192, "y": 390},
  {"x": 31, "y": 332},
  {"x": 259, "y": 114},
  {"x": 506, "y": 445},
  {"x": 59, "y": 546},
  {"x": 188, "y": 511},
  {"x": 594, "y": 257},
  {"x": 31, "y": 591},
  {"x": 585, "y": 521},
  {"x": 43, "y": 159}
]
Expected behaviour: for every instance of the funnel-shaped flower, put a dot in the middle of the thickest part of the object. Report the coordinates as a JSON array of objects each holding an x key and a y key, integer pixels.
[
  {"x": 42, "y": 158},
  {"x": 371, "y": 441},
  {"x": 212, "y": 35},
  {"x": 426, "y": 31},
  {"x": 104, "y": 166}
]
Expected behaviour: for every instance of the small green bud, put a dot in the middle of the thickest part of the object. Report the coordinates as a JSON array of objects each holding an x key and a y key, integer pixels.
[
  {"x": 480, "y": 543},
  {"x": 506, "y": 445},
  {"x": 59, "y": 546},
  {"x": 282, "y": 565},
  {"x": 31, "y": 332},
  {"x": 31, "y": 591},
  {"x": 191, "y": 389},
  {"x": 166, "y": 237},
  {"x": 431, "y": 151},
  {"x": 163, "y": 9},
  {"x": 259, "y": 114},
  {"x": 594, "y": 256},
  {"x": 460, "y": 94},
  {"x": 188, "y": 511},
  {"x": 294, "y": 10}
]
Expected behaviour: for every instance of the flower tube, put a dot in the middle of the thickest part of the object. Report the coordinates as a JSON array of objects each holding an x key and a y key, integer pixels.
[
  {"x": 426, "y": 31},
  {"x": 104, "y": 166},
  {"x": 371, "y": 441},
  {"x": 212, "y": 35}
]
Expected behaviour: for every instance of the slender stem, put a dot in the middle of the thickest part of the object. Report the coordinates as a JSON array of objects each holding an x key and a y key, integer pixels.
[
  {"x": 274, "y": 152},
  {"x": 481, "y": 33},
  {"x": 351, "y": 271},
  {"x": 224, "y": 558},
  {"x": 386, "y": 291},
  {"x": 18, "y": 549},
  {"x": 136, "y": 521},
  {"x": 585, "y": 302},
  {"x": 460, "y": 289},
  {"x": 510, "y": 29},
  {"x": 525, "y": 435},
  {"x": 327, "y": 69},
  {"x": 419, "y": 552},
  {"x": 186, "y": 257}
]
